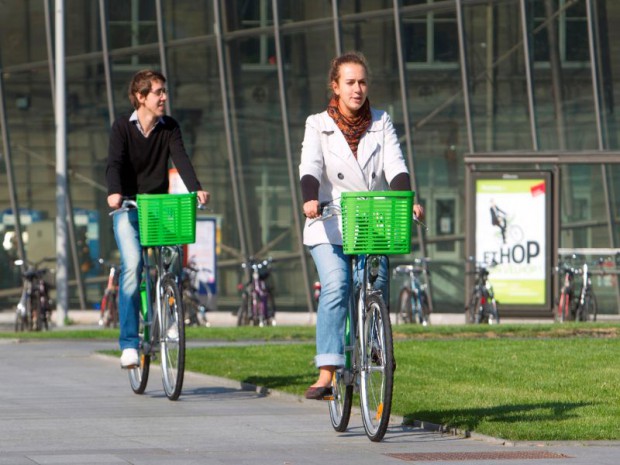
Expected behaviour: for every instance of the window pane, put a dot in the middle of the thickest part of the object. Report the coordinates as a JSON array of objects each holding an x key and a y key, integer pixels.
[
  {"x": 188, "y": 18},
  {"x": 416, "y": 43},
  {"x": 446, "y": 42},
  {"x": 497, "y": 79}
]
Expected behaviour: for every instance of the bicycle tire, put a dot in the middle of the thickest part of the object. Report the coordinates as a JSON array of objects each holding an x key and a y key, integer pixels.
[
  {"x": 471, "y": 310},
  {"x": 426, "y": 311},
  {"x": 587, "y": 311},
  {"x": 139, "y": 376},
  {"x": 243, "y": 313},
  {"x": 173, "y": 338},
  {"x": 405, "y": 307},
  {"x": 340, "y": 405},
  {"x": 35, "y": 311},
  {"x": 377, "y": 369},
  {"x": 110, "y": 315},
  {"x": 21, "y": 321},
  {"x": 491, "y": 314},
  {"x": 563, "y": 308}
]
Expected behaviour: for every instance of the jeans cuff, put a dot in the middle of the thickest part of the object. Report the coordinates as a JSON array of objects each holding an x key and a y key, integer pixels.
[{"x": 322, "y": 360}]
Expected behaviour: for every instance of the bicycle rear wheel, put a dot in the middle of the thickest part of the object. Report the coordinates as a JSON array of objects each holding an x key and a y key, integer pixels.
[
  {"x": 377, "y": 368},
  {"x": 340, "y": 405},
  {"x": 172, "y": 339},
  {"x": 139, "y": 376},
  {"x": 587, "y": 311}
]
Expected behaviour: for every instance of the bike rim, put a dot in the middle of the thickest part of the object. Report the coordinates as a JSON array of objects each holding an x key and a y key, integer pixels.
[
  {"x": 376, "y": 374},
  {"x": 173, "y": 343}
]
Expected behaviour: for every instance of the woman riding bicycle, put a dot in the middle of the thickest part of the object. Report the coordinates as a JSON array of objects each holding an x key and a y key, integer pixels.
[
  {"x": 141, "y": 145},
  {"x": 348, "y": 147}
]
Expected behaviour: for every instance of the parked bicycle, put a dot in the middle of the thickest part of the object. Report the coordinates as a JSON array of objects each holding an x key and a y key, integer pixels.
[
  {"x": 34, "y": 309},
  {"x": 564, "y": 304},
  {"x": 166, "y": 222},
  {"x": 413, "y": 306},
  {"x": 195, "y": 311},
  {"x": 482, "y": 306},
  {"x": 587, "y": 308},
  {"x": 257, "y": 301},
  {"x": 381, "y": 225},
  {"x": 108, "y": 309}
]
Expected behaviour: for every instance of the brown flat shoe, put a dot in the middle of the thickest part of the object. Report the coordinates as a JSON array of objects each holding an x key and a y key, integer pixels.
[{"x": 319, "y": 392}]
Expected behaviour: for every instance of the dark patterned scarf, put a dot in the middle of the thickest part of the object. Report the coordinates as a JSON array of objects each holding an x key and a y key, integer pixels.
[{"x": 352, "y": 128}]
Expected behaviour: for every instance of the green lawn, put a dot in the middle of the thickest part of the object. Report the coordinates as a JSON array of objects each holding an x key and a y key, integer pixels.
[{"x": 517, "y": 382}]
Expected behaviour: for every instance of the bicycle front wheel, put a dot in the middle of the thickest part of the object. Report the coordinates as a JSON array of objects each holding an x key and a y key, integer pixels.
[
  {"x": 244, "y": 311},
  {"x": 139, "y": 376},
  {"x": 377, "y": 368},
  {"x": 472, "y": 310},
  {"x": 172, "y": 339},
  {"x": 563, "y": 309},
  {"x": 340, "y": 405},
  {"x": 405, "y": 310}
]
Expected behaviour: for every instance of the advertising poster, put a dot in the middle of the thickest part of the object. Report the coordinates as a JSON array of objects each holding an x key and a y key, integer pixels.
[
  {"x": 201, "y": 255},
  {"x": 512, "y": 231}
]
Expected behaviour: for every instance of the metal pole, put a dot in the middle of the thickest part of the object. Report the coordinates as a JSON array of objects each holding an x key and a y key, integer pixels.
[
  {"x": 408, "y": 135},
  {"x": 61, "y": 170},
  {"x": 464, "y": 74},
  {"x": 162, "y": 49},
  {"x": 289, "y": 158},
  {"x": 337, "y": 34},
  {"x": 528, "y": 76},
  {"x": 103, "y": 24},
  {"x": 599, "y": 126},
  {"x": 21, "y": 251},
  {"x": 217, "y": 27}
]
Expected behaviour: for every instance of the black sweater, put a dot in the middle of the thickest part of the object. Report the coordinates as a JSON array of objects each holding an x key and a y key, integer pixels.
[{"x": 139, "y": 165}]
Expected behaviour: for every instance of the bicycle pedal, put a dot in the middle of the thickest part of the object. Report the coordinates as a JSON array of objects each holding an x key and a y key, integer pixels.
[{"x": 330, "y": 397}]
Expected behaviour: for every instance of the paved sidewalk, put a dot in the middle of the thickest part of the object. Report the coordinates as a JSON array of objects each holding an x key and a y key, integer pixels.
[
  {"x": 62, "y": 403},
  {"x": 84, "y": 318}
]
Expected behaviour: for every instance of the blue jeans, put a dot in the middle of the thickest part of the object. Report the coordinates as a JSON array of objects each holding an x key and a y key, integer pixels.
[
  {"x": 127, "y": 235},
  {"x": 334, "y": 269}
]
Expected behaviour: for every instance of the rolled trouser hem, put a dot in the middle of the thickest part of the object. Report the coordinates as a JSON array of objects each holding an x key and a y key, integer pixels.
[
  {"x": 129, "y": 345},
  {"x": 329, "y": 360}
]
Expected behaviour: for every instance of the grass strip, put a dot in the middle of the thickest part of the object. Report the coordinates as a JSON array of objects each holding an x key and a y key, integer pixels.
[{"x": 517, "y": 388}]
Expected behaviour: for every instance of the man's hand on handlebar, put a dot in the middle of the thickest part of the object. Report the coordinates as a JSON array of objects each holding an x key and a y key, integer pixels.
[{"x": 115, "y": 201}]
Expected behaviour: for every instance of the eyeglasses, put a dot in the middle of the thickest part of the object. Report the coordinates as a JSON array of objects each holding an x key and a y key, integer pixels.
[{"x": 159, "y": 92}]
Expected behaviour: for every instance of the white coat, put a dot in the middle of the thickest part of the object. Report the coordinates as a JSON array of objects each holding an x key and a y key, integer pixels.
[{"x": 326, "y": 156}]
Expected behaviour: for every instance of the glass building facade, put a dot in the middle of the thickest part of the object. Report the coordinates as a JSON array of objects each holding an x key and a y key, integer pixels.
[{"x": 471, "y": 85}]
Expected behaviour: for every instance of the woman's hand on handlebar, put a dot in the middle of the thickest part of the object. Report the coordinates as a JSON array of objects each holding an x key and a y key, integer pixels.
[
  {"x": 418, "y": 211},
  {"x": 203, "y": 197},
  {"x": 311, "y": 209}
]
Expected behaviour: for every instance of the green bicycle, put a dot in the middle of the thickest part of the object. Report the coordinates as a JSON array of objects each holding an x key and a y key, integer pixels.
[
  {"x": 166, "y": 222},
  {"x": 375, "y": 224}
]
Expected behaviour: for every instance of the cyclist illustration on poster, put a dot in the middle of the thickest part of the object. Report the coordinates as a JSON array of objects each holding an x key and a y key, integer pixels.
[
  {"x": 511, "y": 231},
  {"x": 498, "y": 218}
]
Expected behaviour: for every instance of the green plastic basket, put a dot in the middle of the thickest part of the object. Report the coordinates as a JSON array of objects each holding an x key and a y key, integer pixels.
[
  {"x": 377, "y": 222},
  {"x": 167, "y": 219}
]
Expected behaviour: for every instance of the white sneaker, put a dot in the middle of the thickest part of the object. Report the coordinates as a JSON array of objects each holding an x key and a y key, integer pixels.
[{"x": 129, "y": 358}]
